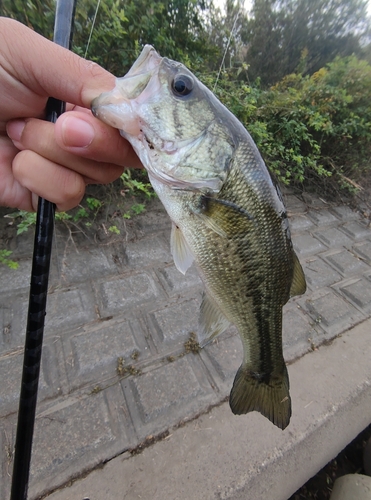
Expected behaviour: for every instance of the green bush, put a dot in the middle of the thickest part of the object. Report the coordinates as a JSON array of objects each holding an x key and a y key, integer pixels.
[{"x": 310, "y": 128}]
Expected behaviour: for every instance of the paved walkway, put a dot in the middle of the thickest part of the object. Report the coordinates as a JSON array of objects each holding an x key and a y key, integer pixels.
[{"x": 119, "y": 368}]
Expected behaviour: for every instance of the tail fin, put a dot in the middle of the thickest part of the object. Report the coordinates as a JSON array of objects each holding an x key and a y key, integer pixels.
[{"x": 269, "y": 396}]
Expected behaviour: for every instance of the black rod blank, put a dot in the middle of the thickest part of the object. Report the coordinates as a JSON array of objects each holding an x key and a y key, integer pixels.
[
  {"x": 33, "y": 347},
  {"x": 38, "y": 293}
]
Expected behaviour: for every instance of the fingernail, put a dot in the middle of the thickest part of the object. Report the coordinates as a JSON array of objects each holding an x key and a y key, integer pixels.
[
  {"x": 76, "y": 133},
  {"x": 14, "y": 129}
]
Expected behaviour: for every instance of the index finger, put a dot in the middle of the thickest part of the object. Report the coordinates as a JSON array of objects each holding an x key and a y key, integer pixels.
[{"x": 56, "y": 71}]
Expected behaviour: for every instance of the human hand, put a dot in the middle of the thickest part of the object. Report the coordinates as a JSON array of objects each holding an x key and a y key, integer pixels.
[{"x": 39, "y": 158}]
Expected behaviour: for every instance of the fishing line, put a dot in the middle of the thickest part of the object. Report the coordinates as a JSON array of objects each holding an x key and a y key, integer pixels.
[
  {"x": 92, "y": 28},
  {"x": 226, "y": 50}
]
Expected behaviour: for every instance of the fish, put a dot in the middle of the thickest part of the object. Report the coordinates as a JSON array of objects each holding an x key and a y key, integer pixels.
[{"x": 227, "y": 216}]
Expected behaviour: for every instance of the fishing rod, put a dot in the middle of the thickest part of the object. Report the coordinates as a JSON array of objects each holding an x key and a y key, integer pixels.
[{"x": 65, "y": 11}]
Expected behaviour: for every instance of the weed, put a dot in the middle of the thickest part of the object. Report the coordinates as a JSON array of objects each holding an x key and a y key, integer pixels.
[
  {"x": 114, "y": 229},
  {"x": 4, "y": 254},
  {"x": 191, "y": 345},
  {"x": 96, "y": 389},
  {"x": 134, "y": 185},
  {"x": 123, "y": 369}
]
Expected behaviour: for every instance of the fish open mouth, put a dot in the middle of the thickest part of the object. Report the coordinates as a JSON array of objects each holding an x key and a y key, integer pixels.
[{"x": 118, "y": 107}]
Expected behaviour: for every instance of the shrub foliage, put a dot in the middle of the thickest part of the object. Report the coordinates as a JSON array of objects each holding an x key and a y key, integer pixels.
[{"x": 310, "y": 128}]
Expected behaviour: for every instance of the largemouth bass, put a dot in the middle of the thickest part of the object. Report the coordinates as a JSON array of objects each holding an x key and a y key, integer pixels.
[{"x": 226, "y": 214}]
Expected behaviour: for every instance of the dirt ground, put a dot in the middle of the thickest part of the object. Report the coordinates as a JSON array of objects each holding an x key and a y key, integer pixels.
[{"x": 349, "y": 461}]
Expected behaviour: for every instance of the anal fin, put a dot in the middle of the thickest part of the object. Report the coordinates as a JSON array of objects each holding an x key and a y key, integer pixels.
[
  {"x": 298, "y": 284},
  {"x": 212, "y": 321}
]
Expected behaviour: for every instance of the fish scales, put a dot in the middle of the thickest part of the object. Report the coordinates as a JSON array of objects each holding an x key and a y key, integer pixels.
[
  {"x": 227, "y": 216},
  {"x": 248, "y": 275}
]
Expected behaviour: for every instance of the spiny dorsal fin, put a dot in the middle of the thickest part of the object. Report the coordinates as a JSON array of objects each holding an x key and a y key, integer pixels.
[
  {"x": 182, "y": 254},
  {"x": 298, "y": 284},
  {"x": 212, "y": 321}
]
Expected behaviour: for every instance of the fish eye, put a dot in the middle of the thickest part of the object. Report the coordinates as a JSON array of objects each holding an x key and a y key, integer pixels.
[{"x": 182, "y": 85}]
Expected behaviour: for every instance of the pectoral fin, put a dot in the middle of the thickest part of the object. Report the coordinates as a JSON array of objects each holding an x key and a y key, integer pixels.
[
  {"x": 212, "y": 321},
  {"x": 298, "y": 284},
  {"x": 182, "y": 254},
  {"x": 223, "y": 217}
]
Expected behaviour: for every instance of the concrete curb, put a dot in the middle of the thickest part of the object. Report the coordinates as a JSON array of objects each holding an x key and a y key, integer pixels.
[{"x": 221, "y": 456}]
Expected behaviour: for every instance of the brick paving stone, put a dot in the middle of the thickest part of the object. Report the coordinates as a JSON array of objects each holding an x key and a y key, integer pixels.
[
  {"x": 66, "y": 309},
  {"x": 223, "y": 357},
  {"x": 161, "y": 397},
  {"x": 78, "y": 267},
  {"x": 332, "y": 312},
  {"x": 116, "y": 296},
  {"x": 70, "y": 308},
  {"x": 76, "y": 435},
  {"x": 300, "y": 223},
  {"x": 175, "y": 322},
  {"x": 308, "y": 245},
  {"x": 318, "y": 273},
  {"x": 7, "y": 336},
  {"x": 92, "y": 354},
  {"x": 147, "y": 252},
  {"x": 356, "y": 230},
  {"x": 11, "y": 370},
  {"x": 175, "y": 282},
  {"x": 103, "y": 304},
  {"x": 13, "y": 280},
  {"x": 344, "y": 213},
  {"x": 23, "y": 244},
  {"x": 6, "y": 441},
  {"x": 298, "y": 332},
  {"x": 346, "y": 262},
  {"x": 358, "y": 291},
  {"x": 313, "y": 201},
  {"x": 154, "y": 219},
  {"x": 294, "y": 205},
  {"x": 13, "y": 317},
  {"x": 363, "y": 250},
  {"x": 322, "y": 217},
  {"x": 332, "y": 237}
]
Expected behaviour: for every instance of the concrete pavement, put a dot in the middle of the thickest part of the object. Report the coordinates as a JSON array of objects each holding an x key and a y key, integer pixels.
[{"x": 120, "y": 369}]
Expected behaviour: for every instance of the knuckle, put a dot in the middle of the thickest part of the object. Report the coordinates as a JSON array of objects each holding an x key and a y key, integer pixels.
[
  {"x": 38, "y": 135},
  {"x": 72, "y": 190},
  {"x": 19, "y": 163}
]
